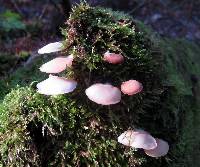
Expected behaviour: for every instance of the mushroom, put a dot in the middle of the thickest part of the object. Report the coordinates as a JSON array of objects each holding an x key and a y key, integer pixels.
[
  {"x": 137, "y": 139},
  {"x": 55, "y": 85},
  {"x": 57, "y": 65},
  {"x": 131, "y": 87},
  {"x": 104, "y": 94},
  {"x": 113, "y": 58},
  {"x": 161, "y": 149},
  {"x": 126, "y": 138},
  {"x": 51, "y": 47},
  {"x": 145, "y": 141}
]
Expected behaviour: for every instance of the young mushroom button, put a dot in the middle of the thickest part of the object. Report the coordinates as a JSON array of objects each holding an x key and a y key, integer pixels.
[
  {"x": 113, "y": 58},
  {"x": 131, "y": 87}
]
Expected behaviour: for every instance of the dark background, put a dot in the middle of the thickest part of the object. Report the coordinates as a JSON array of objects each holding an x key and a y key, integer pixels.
[{"x": 26, "y": 25}]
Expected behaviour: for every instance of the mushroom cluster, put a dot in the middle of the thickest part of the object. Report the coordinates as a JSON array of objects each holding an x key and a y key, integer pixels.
[
  {"x": 141, "y": 139},
  {"x": 103, "y": 94},
  {"x": 55, "y": 85}
]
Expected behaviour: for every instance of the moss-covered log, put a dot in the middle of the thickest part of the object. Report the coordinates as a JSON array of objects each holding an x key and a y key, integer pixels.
[{"x": 70, "y": 130}]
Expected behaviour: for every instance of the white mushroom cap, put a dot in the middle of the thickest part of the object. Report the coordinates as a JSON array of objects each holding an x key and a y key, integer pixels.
[
  {"x": 51, "y": 47},
  {"x": 161, "y": 149},
  {"x": 57, "y": 65},
  {"x": 104, "y": 94},
  {"x": 56, "y": 85},
  {"x": 137, "y": 139}
]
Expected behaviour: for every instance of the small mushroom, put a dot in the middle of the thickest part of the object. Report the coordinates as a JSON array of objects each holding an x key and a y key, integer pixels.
[
  {"x": 113, "y": 58},
  {"x": 57, "y": 65},
  {"x": 104, "y": 94},
  {"x": 131, "y": 87},
  {"x": 137, "y": 139},
  {"x": 161, "y": 149},
  {"x": 51, "y": 47},
  {"x": 55, "y": 85}
]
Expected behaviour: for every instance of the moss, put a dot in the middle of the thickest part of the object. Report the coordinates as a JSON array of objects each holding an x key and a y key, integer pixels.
[
  {"x": 16, "y": 144},
  {"x": 9, "y": 63},
  {"x": 181, "y": 63},
  {"x": 21, "y": 76},
  {"x": 70, "y": 130},
  {"x": 61, "y": 131}
]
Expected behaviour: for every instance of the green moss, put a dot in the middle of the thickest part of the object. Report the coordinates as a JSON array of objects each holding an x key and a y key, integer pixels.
[
  {"x": 90, "y": 32},
  {"x": 16, "y": 143},
  {"x": 69, "y": 130},
  {"x": 181, "y": 64},
  {"x": 10, "y": 75},
  {"x": 22, "y": 76}
]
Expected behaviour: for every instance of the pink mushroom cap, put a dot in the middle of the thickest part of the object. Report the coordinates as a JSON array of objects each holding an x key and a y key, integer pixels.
[
  {"x": 137, "y": 138},
  {"x": 144, "y": 141},
  {"x": 131, "y": 87},
  {"x": 113, "y": 58},
  {"x": 104, "y": 94},
  {"x": 55, "y": 85},
  {"x": 161, "y": 149},
  {"x": 57, "y": 65},
  {"x": 136, "y": 131}
]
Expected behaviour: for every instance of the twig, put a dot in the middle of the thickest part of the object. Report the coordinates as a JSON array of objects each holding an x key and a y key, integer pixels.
[
  {"x": 137, "y": 7},
  {"x": 56, "y": 6},
  {"x": 43, "y": 12},
  {"x": 16, "y": 7},
  {"x": 191, "y": 9},
  {"x": 89, "y": 78},
  {"x": 31, "y": 58}
]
